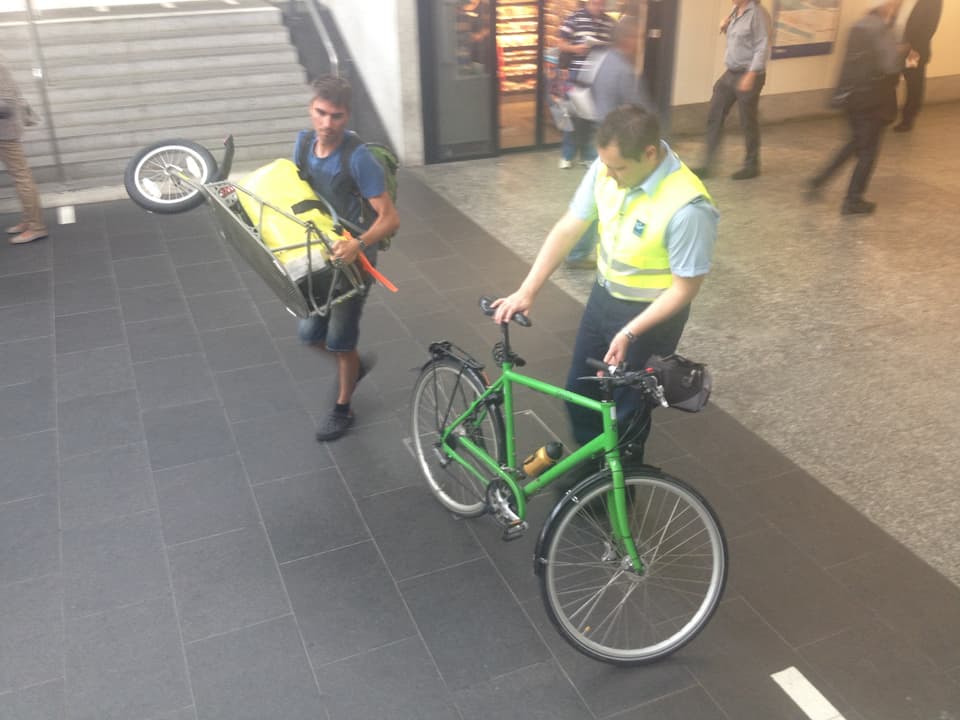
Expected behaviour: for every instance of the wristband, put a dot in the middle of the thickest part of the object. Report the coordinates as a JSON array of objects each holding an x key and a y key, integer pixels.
[
  {"x": 631, "y": 338},
  {"x": 363, "y": 245}
]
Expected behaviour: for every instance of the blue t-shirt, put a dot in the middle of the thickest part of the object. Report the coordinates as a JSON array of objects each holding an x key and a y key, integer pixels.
[
  {"x": 366, "y": 171},
  {"x": 691, "y": 232}
]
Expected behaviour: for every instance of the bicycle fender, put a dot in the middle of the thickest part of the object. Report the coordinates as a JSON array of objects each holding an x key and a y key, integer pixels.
[{"x": 573, "y": 496}]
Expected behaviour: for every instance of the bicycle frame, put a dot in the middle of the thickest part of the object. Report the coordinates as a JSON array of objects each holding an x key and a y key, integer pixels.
[{"x": 606, "y": 442}]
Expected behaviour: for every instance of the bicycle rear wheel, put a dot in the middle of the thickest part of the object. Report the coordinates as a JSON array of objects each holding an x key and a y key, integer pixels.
[
  {"x": 443, "y": 392},
  {"x": 593, "y": 595}
]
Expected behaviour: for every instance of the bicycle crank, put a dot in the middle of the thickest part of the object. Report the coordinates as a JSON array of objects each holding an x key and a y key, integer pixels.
[{"x": 501, "y": 504}]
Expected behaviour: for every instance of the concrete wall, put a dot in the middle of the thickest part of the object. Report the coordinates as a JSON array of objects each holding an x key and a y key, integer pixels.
[
  {"x": 795, "y": 87},
  {"x": 384, "y": 42}
]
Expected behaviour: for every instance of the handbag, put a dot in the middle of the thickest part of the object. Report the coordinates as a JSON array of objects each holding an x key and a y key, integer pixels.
[{"x": 686, "y": 384}]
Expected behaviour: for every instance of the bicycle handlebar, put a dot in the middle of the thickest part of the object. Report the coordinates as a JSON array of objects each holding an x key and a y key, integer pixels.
[
  {"x": 618, "y": 376},
  {"x": 486, "y": 305}
]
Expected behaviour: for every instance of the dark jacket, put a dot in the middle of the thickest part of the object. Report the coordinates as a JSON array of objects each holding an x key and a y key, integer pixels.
[
  {"x": 871, "y": 68},
  {"x": 921, "y": 25}
]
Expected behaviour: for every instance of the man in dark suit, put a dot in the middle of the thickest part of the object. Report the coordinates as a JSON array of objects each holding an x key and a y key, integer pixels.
[{"x": 918, "y": 32}]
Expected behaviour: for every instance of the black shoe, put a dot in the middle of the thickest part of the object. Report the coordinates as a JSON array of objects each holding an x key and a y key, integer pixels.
[
  {"x": 745, "y": 173},
  {"x": 334, "y": 426},
  {"x": 702, "y": 172},
  {"x": 858, "y": 207},
  {"x": 903, "y": 126}
]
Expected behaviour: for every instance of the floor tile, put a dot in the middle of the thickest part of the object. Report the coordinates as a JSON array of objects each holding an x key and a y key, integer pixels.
[
  {"x": 690, "y": 704},
  {"x": 30, "y": 465},
  {"x": 435, "y": 541},
  {"x": 346, "y": 603},
  {"x": 397, "y": 681},
  {"x": 309, "y": 514},
  {"x": 541, "y": 689},
  {"x": 226, "y": 582},
  {"x": 128, "y": 244},
  {"x": 94, "y": 372},
  {"x": 92, "y": 263},
  {"x": 304, "y": 361},
  {"x": 257, "y": 391},
  {"x": 27, "y": 407},
  {"x": 204, "y": 498},
  {"x": 173, "y": 381},
  {"x": 238, "y": 347},
  {"x": 126, "y": 663},
  {"x": 254, "y": 673},
  {"x": 24, "y": 360},
  {"x": 31, "y": 634},
  {"x": 105, "y": 485},
  {"x": 150, "y": 270},
  {"x": 19, "y": 322},
  {"x": 469, "y": 607},
  {"x": 29, "y": 537},
  {"x": 163, "y": 337},
  {"x": 39, "y": 702},
  {"x": 83, "y": 296},
  {"x": 381, "y": 475},
  {"x": 208, "y": 277},
  {"x": 883, "y": 675},
  {"x": 279, "y": 321},
  {"x": 98, "y": 422},
  {"x": 222, "y": 310},
  {"x": 25, "y": 288},
  {"x": 193, "y": 250},
  {"x": 21, "y": 259},
  {"x": 113, "y": 564},
  {"x": 187, "y": 433},
  {"x": 279, "y": 446},
  {"x": 86, "y": 331},
  {"x": 151, "y": 302}
]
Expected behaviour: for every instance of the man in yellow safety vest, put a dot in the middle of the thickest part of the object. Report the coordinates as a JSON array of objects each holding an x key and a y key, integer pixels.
[{"x": 657, "y": 230}]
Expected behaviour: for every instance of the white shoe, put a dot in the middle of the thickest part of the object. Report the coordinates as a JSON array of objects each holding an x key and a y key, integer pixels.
[{"x": 565, "y": 164}]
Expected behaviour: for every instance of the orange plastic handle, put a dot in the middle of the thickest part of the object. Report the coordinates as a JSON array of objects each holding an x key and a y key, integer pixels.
[{"x": 368, "y": 266}]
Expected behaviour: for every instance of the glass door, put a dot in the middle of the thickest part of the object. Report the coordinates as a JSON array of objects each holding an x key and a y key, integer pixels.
[{"x": 518, "y": 47}]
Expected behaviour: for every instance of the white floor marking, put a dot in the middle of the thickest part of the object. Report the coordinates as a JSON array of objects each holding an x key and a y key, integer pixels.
[
  {"x": 805, "y": 695},
  {"x": 66, "y": 215}
]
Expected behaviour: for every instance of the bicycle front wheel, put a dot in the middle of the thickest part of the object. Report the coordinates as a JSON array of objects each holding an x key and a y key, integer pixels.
[
  {"x": 442, "y": 393},
  {"x": 595, "y": 597}
]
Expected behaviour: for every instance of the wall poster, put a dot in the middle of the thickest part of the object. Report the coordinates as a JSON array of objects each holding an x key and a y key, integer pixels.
[{"x": 804, "y": 27}]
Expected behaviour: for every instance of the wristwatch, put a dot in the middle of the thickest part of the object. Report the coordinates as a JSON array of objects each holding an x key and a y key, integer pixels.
[
  {"x": 363, "y": 245},
  {"x": 631, "y": 338}
]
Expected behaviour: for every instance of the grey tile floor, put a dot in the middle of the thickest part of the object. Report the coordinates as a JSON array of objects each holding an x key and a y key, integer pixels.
[{"x": 174, "y": 544}]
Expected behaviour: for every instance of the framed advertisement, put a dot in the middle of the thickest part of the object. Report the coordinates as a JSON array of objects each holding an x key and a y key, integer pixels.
[{"x": 804, "y": 27}]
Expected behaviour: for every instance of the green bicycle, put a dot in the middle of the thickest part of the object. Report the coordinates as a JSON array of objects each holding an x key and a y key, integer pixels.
[{"x": 631, "y": 562}]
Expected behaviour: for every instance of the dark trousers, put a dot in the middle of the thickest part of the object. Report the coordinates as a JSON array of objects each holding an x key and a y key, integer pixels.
[
  {"x": 603, "y": 318},
  {"x": 725, "y": 94},
  {"x": 916, "y": 82},
  {"x": 866, "y": 129}
]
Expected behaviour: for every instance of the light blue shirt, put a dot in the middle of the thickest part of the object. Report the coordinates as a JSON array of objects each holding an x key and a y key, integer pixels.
[
  {"x": 747, "y": 40},
  {"x": 691, "y": 233}
]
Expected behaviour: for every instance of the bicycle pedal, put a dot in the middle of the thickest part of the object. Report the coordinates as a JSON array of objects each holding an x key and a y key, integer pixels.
[{"x": 514, "y": 532}]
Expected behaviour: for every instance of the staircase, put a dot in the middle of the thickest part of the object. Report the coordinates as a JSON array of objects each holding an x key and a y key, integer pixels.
[{"x": 120, "y": 80}]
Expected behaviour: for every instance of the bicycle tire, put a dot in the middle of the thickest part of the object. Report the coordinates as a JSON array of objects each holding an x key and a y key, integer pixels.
[
  {"x": 603, "y": 608},
  {"x": 444, "y": 391},
  {"x": 149, "y": 185}
]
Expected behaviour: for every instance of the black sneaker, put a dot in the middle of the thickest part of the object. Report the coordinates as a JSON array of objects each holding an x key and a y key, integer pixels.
[
  {"x": 858, "y": 207},
  {"x": 334, "y": 426}
]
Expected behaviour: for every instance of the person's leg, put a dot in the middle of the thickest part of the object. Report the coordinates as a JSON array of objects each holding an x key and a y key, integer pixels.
[
  {"x": 342, "y": 336},
  {"x": 591, "y": 342},
  {"x": 749, "y": 106},
  {"x": 348, "y": 373},
  {"x": 588, "y": 145},
  {"x": 32, "y": 227},
  {"x": 720, "y": 103},
  {"x": 867, "y": 132},
  {"x": 568, "y": 148},
  {"x": 915, "y": 81},
  {"x": 838, "y": 160}
]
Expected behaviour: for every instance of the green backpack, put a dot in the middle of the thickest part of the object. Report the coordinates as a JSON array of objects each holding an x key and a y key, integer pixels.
[{"x": 382, "y": 154}]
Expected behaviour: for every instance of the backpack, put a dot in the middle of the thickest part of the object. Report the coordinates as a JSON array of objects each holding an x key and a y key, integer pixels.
[{"x": 381, "y": 153}]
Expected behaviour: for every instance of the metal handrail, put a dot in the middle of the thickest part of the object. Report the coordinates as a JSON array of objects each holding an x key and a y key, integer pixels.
[
  {"x": 324, "y": 36},
  {"x": 40, "y": 76}
]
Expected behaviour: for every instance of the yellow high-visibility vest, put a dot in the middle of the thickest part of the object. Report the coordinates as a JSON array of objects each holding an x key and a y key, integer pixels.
[{"x": 632, "y": 259}]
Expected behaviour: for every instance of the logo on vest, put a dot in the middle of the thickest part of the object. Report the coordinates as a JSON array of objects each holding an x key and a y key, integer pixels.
[{"x": 638, "y": 227}]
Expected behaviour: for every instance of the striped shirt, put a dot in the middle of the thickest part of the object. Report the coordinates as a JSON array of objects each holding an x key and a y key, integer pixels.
[{"x": 581, "y": 25}]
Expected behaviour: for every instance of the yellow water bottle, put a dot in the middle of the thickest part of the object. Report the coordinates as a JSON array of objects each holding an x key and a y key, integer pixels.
[{"x": 542, "y": 459}]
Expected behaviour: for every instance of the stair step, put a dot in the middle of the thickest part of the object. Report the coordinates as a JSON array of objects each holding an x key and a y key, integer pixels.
[{"x": 183, "y": 100}]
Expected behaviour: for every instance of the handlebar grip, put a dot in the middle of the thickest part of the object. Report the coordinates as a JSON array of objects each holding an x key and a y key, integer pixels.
[
  {"x": 600, "y": 365},
  {"x": 486, "y": 305}
]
